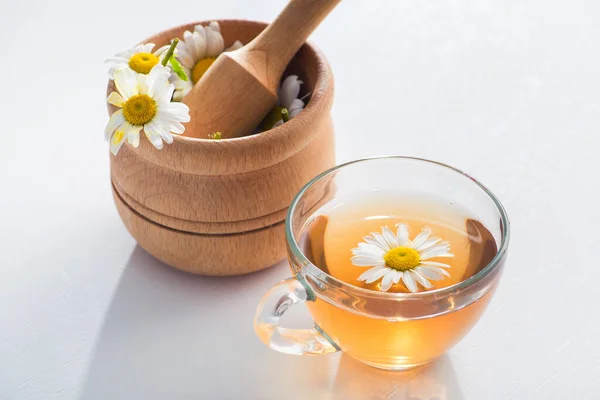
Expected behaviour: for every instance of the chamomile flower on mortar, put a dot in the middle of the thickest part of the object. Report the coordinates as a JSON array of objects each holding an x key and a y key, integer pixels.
[
  {"x": 196, "y": 53},
  {"x": 139, "y": 59},
  {"x": 394, "y": 257},
  {"x": 288, "y": 103},
  {"x": 145, "y": 103}
]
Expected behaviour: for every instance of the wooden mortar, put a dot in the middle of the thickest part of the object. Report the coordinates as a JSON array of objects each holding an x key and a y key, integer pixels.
[{"x": 216, "y": 207}]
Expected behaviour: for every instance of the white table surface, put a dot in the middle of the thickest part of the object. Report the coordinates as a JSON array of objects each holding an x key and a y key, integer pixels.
[{"x": 507, "y": 90}]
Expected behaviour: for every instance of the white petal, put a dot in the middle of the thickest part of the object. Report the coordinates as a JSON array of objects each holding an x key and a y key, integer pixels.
[
  {"x": 388, "y": 279},
  {"x": 166, "y": 136},
  {"x": 126, "y": 82},
  {"x": 421, "y": 238},
  {"x": 181, "y": 89},
  {"x": 236, "y": 45},
  {"x": 409, "y": 282},
  {"x": 428, "y": 256},
  {"x": 163, "y": 131},
  {"x": 438, "y": 250},
  {"x": 115, "y": 99},
  {"x": 214, "y": 25},
  {"x": 184, "y": 56},
  {"x": 436, "y": 264},
  {"x": 117, "y": 139},
  {"x": 114, "y": 122},
  {"x": 153, "y": 135},
  {"x": 296, "y": 107},
  {"x": 157, "y": 80},
  {"x": 397, "y": 276},
  {"x": 147, "y": 48},
  {"x": 201, "y": 30},
  {"x": 190, "y": 43},
  {"x": 373, "y": 274},
  {"x": 366, "y": 261},
  {"x": 169, "y": 124},
  {"x": 163, "y": 93},
  {"x": 162, "y": 51},
  {"x": 419, "y": 278},
  {"x": 429, "y": 269},
  {"x": 175, "y": 127},
  {"x": 389, "y": 237},
  {"x": 214, "y": 43},
  {"x": 402, "y": 235},
  {"x": 368, "y": 273},
  {"x": 178, "y": 112},
  {"x": 372, "y": 241},
  {"x": 379, "y": 237},
  {"x": 429, "y": 274},
  {"x": 142, "y": 84},
  {"x": 133, "y": 134},
  {"x": 367, "y": 253},
  {"x": 438, "y": 270},
  {"x": 428, "y": 243},
  {"x": 126, "y": 53},
  {"x": 290, "y": 88},
  {"x": 371, "y": 249},
  {"x": 117, "y": 60},
  {"x": 196, "y": 45}
]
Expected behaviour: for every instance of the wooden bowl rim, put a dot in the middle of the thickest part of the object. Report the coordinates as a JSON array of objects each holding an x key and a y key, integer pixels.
[{"x": 213, "y": 157}]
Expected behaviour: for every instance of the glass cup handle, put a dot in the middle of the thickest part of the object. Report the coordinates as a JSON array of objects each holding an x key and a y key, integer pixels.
[{"x": 289, "y": 341}]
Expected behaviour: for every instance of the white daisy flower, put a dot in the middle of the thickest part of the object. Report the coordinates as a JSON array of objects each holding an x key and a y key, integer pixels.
[
  {"x": 287, "y": 97},
  {"x": 394, "y": 257},
  {"x": 145, "y": 103},
  {"x": 196, "y": 53},
  {"x": 139, "y": 59}
]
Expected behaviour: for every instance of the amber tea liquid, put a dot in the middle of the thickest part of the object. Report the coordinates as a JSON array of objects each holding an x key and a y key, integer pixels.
[{"x": 328, "y": 239}]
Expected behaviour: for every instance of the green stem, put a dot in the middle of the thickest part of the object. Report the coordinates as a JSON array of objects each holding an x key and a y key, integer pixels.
[
  {"x": 285, "y": 115},
  {"x": 170, "y": 52}
]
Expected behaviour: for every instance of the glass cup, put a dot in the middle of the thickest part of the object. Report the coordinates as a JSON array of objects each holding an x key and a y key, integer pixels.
[{"x": 385, "y": 330}]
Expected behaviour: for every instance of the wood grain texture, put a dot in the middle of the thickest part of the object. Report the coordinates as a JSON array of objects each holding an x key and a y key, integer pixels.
[
  {"x": 195, "y": 191},
  {"x": 240, "y": 88},
  {"x": 200, "y": 227},
  {"x": 220, "y": 255},
  {"x": 226, "y": 198}
]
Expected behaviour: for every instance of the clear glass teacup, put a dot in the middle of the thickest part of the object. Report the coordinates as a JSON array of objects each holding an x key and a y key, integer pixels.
[{"x": 382, "y": 329}]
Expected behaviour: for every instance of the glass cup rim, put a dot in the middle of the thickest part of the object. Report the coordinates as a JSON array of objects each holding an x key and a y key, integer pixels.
[{"x": 315, "y": 271}]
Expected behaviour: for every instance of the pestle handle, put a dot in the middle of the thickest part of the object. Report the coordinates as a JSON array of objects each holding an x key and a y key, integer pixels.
[{"x": 269, "y": 53}]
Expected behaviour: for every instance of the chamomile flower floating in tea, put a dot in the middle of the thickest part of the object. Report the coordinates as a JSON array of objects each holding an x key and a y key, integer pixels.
[
  {"x": 145, "y": 103},
  {"x": 394, "y": 257},
  {"x": 197, "y": 52},
  {"x": 288, "y": 103}
]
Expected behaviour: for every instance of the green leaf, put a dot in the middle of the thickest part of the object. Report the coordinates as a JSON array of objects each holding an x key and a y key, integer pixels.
[{"x": 178, "y": 69}]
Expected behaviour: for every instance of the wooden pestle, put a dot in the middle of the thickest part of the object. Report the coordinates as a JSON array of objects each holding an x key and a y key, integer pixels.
[{"x": 240, "y": 88}]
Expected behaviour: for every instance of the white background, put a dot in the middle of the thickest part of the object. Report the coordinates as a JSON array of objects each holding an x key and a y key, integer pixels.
[{"x": 507, "y": 90}]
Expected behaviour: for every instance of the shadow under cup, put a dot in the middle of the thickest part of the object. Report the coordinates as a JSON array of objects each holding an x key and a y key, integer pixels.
[{"x": 381, "y": 329}]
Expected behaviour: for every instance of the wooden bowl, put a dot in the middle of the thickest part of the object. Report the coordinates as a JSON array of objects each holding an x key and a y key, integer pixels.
[{"x": 216, "y": 207}]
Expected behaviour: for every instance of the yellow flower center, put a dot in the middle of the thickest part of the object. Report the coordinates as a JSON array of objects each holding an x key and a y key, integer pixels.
[
  {"x": 201, "y": 67},
  {"x": 139, "y": 109},
  {"x": 402, "y": 258},
  {"x": 143, "y": 62}
]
